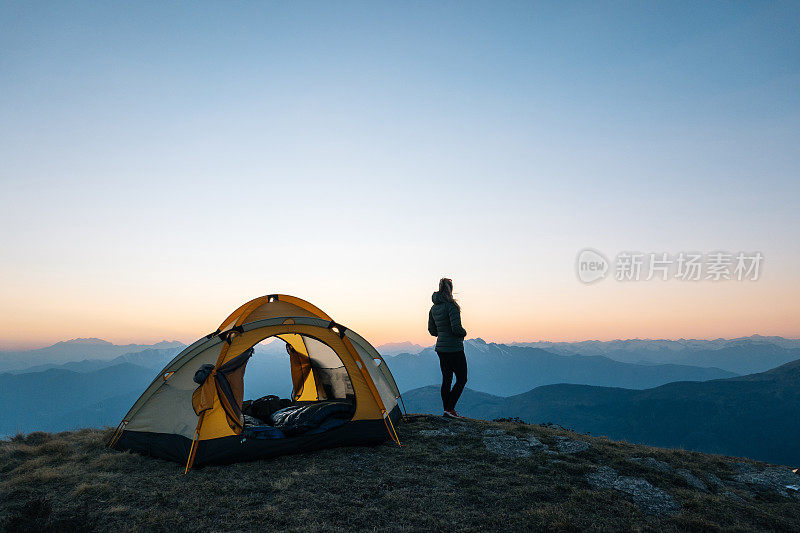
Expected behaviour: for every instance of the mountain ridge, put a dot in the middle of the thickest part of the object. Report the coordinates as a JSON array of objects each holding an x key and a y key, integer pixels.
[
  {"x": 753, "y": 416},
  {"x": 507, "y": 370},
  {"x": 47, "y": 399},
  {"x": 74, "y": 350},
  {"x": 151, "y": 358}
]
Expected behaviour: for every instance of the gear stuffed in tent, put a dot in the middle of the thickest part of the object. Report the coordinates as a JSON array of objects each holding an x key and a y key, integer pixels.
[{"x": 193, "y": 412}]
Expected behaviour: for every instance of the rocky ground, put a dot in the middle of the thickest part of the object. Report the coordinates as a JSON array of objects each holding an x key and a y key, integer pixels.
[{"x": 464, "y": 475}]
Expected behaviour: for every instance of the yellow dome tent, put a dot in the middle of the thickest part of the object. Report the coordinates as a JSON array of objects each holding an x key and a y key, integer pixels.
[{"x": 178, "y": 420}]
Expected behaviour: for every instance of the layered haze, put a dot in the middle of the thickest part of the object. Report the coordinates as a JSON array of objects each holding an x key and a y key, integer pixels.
[{"x": 92, "y": 382}]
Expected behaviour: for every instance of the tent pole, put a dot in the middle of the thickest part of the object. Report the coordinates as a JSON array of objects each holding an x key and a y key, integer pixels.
[
  {"x": 370, "y": 385},
  {"x": 392, "y": 431},
  {"x": 193, "y": 448},
  {"x": 117, "y": 433}
]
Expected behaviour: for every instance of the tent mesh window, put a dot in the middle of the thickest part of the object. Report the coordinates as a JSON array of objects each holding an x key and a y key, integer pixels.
[{"x": 330, "y": 375}]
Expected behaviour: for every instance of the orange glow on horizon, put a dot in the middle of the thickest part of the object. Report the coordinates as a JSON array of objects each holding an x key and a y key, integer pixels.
[{"x": 700, "y": 311}]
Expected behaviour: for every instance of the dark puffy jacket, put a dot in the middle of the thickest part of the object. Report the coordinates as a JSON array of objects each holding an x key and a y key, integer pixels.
[{"x": 444, "y": 323}]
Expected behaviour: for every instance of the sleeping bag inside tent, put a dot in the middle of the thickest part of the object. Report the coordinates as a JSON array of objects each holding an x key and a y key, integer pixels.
[{"x": 342, "y": 392}]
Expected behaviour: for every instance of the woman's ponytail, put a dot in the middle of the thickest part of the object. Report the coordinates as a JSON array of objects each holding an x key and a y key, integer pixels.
[{"x": 446, "y": 291}]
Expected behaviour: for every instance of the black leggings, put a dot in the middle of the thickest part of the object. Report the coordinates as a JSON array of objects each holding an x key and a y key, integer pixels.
[{"x": 452, "y": 363}]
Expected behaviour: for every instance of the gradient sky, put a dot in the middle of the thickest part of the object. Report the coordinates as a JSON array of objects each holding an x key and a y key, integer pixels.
[{"x": 161, "y": 163}]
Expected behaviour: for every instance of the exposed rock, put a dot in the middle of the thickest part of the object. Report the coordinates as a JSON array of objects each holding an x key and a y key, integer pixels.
[
  {"x": 652, "y": 462},
  {"x": 536, "y": 443},
  {"x": 714, "y": 481},
  {"x": 567, "y": 445},
  {"x": 775, "y": 478},
  {"x": 692, "y": 480},
  {"x": 540, "y": 446},
  {"x": 728, "y": 493},
  {"x": 507, "y": 445},
  {"x": 447, "y": 431},
  {"x": 650, "y": 499},
  {"x": 603, "y": 477},
  {"x": 497, "y": 441}
]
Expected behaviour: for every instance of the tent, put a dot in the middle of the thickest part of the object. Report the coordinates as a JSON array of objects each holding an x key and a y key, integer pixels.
[{"x": 178, "y": 420}]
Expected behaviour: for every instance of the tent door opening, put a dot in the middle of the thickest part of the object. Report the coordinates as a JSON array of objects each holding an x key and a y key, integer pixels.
[{"x": 318, "y": 397}]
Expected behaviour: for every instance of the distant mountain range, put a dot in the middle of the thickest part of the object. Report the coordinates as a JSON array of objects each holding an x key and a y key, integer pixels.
[
  {"x": 154, "y": 359},
  {"x": 73, "y": 351},
  {"x": 120, "y": 378},
  {"x": 396, "y": 348},
  {"x": 665, "y": 404},
  {"x": 494, "y": 368},
  {"x": 744, "y": 355},
  {"x": 753, "y": 416},
  {"x": 98, "y": 392},
  {"x": 505, "y": 370},
  {"x": 59, "y": 399}
]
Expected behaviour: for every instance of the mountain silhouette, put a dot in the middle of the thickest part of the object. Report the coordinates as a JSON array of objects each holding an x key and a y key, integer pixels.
[
  {"x": 506, "y": 370},
  {"x": 744, "y": 355},
  {"x": 396, "y": 348},
  {"x": 752, "y": 416},
  {"x": 152, "y": 358},
  {"x": 74, "y": 350},
  {"x": 50, "y": 400}
]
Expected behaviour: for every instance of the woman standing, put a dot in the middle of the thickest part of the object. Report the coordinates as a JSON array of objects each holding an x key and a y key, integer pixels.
[{"x": 444, "y": 323}]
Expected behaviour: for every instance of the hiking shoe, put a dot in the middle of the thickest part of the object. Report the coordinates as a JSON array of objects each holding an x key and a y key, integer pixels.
[{"x": 452, "y": 414}]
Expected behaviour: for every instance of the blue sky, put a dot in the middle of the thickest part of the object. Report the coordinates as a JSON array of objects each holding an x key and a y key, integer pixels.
[{"x": 185, "y": 157}]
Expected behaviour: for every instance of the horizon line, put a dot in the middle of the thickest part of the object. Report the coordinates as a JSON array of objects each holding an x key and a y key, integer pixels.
[{"x": 31, "y": 347}]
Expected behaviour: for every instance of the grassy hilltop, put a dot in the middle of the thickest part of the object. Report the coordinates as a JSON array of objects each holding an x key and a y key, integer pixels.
[{"x": 448, "y": 475}]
